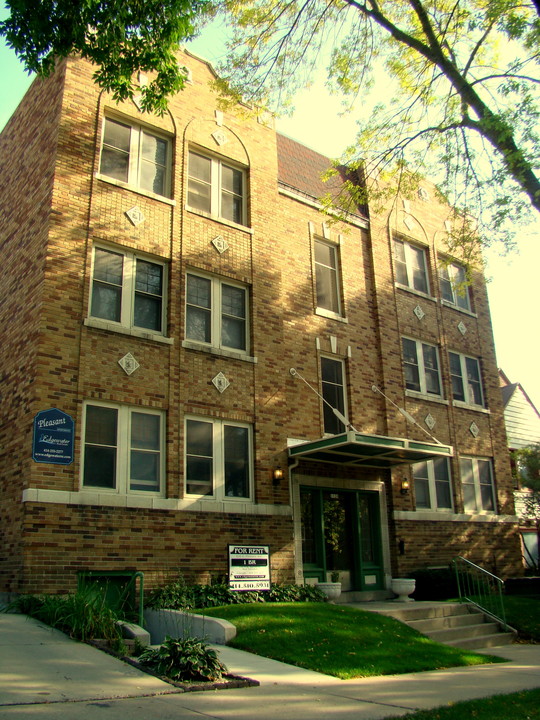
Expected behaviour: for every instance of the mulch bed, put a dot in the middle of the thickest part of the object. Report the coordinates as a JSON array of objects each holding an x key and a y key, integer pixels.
[{"x": 227, "y": 682}]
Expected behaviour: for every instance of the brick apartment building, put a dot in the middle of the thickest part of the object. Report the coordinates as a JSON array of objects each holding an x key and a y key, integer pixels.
[{"x": 159, "y": 279}]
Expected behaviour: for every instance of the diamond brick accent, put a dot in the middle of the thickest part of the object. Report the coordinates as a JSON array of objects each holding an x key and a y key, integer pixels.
[
  {"x": 128, "y": 364},
  {"x": 220, "y": 244},
  {"x": 220, "y": 137},
  {"x": 135, "y": 215},
  {"x": 220, "y": 382}
]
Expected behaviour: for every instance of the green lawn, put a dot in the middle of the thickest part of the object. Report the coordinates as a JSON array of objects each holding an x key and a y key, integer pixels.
[
  {"x": 523, "y": 614},
  {"x": 523, "y": 705},
  {"x": 336, "y": 640}
]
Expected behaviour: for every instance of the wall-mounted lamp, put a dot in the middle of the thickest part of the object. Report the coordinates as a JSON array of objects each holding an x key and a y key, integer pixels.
[
  {"x": 404, "y": 487},
  {"x": 277, "y": 475}
]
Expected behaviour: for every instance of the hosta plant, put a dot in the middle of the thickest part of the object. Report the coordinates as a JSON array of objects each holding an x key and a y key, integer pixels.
[{"x": 186, "y": 660}]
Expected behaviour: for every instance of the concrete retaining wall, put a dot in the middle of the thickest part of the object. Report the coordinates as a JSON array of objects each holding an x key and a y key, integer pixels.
[{"x": 179, "y": 624}]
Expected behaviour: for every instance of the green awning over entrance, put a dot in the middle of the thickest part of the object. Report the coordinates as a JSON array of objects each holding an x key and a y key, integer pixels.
[{"x": 375, "y": 451}]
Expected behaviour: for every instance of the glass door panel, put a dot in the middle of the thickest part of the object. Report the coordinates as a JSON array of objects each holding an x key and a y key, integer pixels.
[{"x": 341, "y": 532}]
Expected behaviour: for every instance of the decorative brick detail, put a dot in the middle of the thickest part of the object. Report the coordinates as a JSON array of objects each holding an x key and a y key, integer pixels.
[
  {"x": 220, "y": 382},
  {"x": 128, "y": 364},
  {"x": 135, "y": 215}
]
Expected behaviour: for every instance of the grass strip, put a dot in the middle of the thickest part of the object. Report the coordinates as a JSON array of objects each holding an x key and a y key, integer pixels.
[
  {"x": 523, "y": 614},
  {"x": 524, "y": 705},
  {"x": 340, "y": 641}
]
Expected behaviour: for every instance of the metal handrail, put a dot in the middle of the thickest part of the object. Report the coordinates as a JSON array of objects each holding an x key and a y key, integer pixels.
[
  {"x": 480, "y": 588},
  {"x": 125, "y": 594}
]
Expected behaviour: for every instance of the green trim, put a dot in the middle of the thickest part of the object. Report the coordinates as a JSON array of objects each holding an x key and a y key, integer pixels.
[
  {"x": 376, "y": 451},
  {"x": 359, "y": 568}
]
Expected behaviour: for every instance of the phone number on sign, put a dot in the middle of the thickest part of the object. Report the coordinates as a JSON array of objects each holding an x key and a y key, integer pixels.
[{"x": 263, "y": 585}]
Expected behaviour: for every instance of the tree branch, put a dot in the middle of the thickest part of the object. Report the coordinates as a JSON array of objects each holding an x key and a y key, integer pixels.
[{"x": 490, "y": 125}]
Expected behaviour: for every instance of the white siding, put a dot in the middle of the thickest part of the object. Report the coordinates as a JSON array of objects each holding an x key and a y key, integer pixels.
[{"x": 522, "y": 421}]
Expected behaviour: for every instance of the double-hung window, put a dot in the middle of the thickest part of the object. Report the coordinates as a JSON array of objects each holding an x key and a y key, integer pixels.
[
  {"x": 333, "y": 392},
  {"x": 217, "y": 188},
  {"x": 421, "y": 367},
  {"x": 132, "y": 155},
  {"x": 123, "y": 449},
  {"x": 216, "y": 313},
  {"x": 410, "y": 264},
  {"x": 128, "y": 290},
  {"x": 454, "y": 286},
  {"x": 466, "y": 379},
  {"x": 432, "y": 485},
  {"x": 218, "y": 459},
  {"x": 327, "y": 277},
  {"x": 477, "y": 484}
]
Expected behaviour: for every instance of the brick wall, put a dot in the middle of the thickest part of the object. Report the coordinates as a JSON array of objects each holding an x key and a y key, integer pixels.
[
  {"x": 59, "y": 208},
  {"x": 28, "y": 146},
  {"x": 434, "y": 544},
  {"x": 62, "y": 541}
]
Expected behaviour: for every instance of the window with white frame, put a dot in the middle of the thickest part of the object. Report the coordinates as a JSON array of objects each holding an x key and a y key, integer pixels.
[
  {"x": 432, "y": 484},
  {"x": 137, "y": 157},
  {"x": 123, "y": 449},
  {"x": 128, "y": 289},
  {"x": 410, "y": 264},
  {"x": 466, "y": 379},
  {"x": 216, "y": 312},
  {"x": 454, "y": 286},
  {"x": 327, "y": 276},
  {"x": 333, "y": 392},
  {"x": 217, "y": 188},
  {"x": 218, "y": 459},
  {"x": 421, "y": 367},
  {"x": 477, "y": 484}
]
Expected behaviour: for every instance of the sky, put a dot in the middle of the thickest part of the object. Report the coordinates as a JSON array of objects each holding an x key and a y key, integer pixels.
[{"x": 514, "y": 280}]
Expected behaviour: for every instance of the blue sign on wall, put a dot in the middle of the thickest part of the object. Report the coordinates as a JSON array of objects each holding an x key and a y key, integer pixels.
[{"x": 53, "y": 437}]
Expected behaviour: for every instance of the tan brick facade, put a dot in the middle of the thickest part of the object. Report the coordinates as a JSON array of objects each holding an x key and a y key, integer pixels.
[{"x": 57, "y": 207}]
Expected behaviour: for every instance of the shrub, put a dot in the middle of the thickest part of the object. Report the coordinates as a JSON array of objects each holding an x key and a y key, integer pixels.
[
  {"x": 296, "y": 593},
  {"x": 188, "y": 660},
  {"x": 205, "y": 596},
  {"x": 177, "y": 595},
  {"x": 83, "y": 616}
]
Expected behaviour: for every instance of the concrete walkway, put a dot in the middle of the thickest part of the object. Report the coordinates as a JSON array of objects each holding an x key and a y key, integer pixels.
[{"x": 46, "y": 676}]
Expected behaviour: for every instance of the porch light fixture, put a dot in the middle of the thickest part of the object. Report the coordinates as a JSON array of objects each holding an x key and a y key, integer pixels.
[
  {"x": 277, "y": 476},
  {"x": 404, "y": 487}
]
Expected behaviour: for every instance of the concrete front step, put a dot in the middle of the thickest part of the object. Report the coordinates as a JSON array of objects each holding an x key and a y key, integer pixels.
[
  {"x": 447, "y": 621},
  {"x": 469, "y": 631},
  {"x": 408, "y": 612},
  {"x": 457, "y": 624},
  {"x": 349, "y": 597},
  {"x": 485, "y": 641}
]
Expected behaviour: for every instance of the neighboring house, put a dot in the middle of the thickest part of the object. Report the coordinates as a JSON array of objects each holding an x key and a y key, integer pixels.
[
  {"x": 179, "y": 324},
  {"x": 522, "y": 421}
]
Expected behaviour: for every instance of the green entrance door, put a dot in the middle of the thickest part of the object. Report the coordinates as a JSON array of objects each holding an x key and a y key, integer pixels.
[{"x": 341, "y": 531}]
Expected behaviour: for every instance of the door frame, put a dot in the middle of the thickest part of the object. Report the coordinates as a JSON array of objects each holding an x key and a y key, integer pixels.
[{"x": 375, "y": 486}]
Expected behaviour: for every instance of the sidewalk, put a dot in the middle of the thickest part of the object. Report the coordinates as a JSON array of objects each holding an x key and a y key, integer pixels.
[{"x": 46, "y": 676}]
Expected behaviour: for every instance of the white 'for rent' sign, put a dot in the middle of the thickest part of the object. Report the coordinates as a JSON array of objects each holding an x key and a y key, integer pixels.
[{"x": 249, "y": 567}]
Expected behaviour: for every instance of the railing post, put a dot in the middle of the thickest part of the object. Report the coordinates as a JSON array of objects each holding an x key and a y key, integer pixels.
[
  {"x": 481, "y": 588},
  {"x": 455, "y": 562}
]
